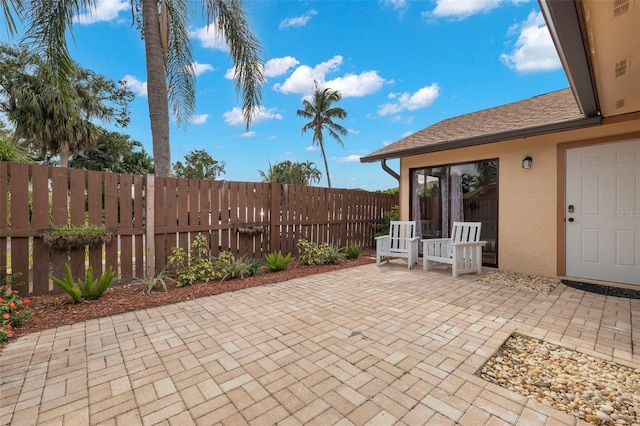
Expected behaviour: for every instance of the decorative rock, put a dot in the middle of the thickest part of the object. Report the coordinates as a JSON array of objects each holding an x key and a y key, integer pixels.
[
  {"x": 606, "y": 409},
  {"x": 595, "y": 390},
  {"x": 602, "y": 416},
  {"x": 592, "y": 419}
]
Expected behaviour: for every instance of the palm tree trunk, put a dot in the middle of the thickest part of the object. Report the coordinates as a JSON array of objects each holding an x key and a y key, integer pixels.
[
  {"x": 326, "y": 165},
  {"x": 156, "y": 88},
  {"x": 64, "y": 153}
]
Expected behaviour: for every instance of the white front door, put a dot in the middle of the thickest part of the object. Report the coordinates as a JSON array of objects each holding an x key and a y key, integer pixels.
[{"x": 602, "y": 212}]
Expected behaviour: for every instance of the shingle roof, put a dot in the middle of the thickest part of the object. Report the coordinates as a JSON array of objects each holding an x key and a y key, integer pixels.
[{"x": 541, "y": 114}]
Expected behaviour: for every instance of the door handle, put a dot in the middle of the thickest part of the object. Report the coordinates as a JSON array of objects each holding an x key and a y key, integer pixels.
[{"x": 571, "y": 219}]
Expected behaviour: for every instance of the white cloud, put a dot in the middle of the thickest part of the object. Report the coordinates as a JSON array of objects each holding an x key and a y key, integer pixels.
[
  {"x": 235, "y": 117},
  {"x": 104, "y": 10},
  {"x": 249, "y": 134},
  {"x": 298, "y": 21},
  {"x": 230, "y": 74},
  {"x": 311, "y": 148},
  {"x": 404, "y": 101},
  {"x": 138, "y": 87},
  {"x": 209, "y": 38},
  {"x": 461, "y": 9},
  {"x": 353, "y": 158},
  {"x": 199, "y": 68},
  {"x": 534, "y": 49},
  {"x": 356, "y": 85},
  {"x": 408, "y": 133},
  {"x": 302, "y": 80},
  {"x": 278, "y": 66},
  {"x": 199, "y": 118},
  {"x": 386, "y": 143},
  {"x": 353, "y": 131}
]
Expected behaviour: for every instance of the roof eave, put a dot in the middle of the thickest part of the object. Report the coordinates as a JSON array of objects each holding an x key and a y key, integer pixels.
[
  {"x": 563, "y": 21},
  {"x": 563, "y": 126}
]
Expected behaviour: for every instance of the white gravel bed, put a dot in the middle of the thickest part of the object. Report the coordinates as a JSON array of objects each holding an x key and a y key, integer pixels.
[
  {"x": 595, "y": 390},
  {"x": 521, "y": 281}
]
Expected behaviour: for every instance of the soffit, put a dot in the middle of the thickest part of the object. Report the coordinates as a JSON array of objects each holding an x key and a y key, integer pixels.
[{"x": 611, "y": 30}]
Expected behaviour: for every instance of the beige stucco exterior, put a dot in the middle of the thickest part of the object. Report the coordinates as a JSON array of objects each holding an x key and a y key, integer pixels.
[{"x": 531, "y": 201}]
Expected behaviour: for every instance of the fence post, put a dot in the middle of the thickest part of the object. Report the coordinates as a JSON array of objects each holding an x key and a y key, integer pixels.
[
  {"x": 150, "y": 220},
  {"x": 274, "y": 217}
]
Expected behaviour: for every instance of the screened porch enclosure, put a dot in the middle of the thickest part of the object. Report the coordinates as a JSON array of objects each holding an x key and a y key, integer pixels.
[{"x": 467, "y": 192}]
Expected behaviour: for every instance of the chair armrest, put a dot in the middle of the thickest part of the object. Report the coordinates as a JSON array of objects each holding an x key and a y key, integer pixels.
[
  {"x": 383, "y": 244},
  {"x": 469, "y": 244},
  {"x": 414, "y": 239},
  {"x": 436, "y": 240}
]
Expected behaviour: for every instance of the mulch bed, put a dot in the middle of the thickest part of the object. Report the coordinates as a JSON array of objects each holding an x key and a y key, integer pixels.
[{"x": 56, "y": 310}]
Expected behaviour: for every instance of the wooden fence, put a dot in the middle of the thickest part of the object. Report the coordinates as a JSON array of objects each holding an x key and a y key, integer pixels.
[{"x": 149, "y": 216}]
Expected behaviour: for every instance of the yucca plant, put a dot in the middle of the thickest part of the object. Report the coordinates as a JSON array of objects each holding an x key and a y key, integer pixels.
[
  {"x": 147, "y": 285},
  {"x": 331, "y": 254},
  {"x": 277, "y": 262},
  {"x": 351, "y": 252},
  {"x": 89, "y": 289}
]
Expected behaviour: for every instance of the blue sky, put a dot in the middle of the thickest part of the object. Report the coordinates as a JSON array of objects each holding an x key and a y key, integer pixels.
[{"x": 400, "y": 65}]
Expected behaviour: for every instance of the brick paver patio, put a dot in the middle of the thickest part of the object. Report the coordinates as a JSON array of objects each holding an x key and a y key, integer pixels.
[{"x": 362, "y": 346}]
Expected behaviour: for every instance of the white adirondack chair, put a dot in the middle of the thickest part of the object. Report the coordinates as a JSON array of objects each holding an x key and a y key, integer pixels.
[
  {"x": 401, "y": 242},
  {"x": 463, "y": 251}
]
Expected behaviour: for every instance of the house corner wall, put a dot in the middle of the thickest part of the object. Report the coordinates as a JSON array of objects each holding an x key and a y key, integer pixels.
[{"x": 530, "y": 201}]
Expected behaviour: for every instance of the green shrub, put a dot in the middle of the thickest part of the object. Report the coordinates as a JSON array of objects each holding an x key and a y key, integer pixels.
[
  {"x": 352, "y": 252},
  {"x": 14, "y": 310},
  {"x": 255, "y": 267},
  {"x": 198, "y": 266},
  {"x": 89, "y": 289},
  {"x": 391, "y": 215},
  {"x": 309, "y": 253},
  {"x": 194, "y": 267},
  {"x": 238, "y": 268},
  {"x": 277, "y": 262},
  {"x": 226, "y": 257},
  {"x": 313, "y": 254}
]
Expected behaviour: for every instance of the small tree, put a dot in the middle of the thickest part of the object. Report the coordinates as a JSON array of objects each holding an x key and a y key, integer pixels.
[
  {"x": 293, "y": 173},
  {"x": 43, "y": 116},
  {"x": 114, "y": 152},
  {"x": 198, "y": 165}
]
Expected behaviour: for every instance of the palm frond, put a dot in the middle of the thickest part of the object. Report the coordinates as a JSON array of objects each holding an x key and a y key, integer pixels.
[
  {"x": 181, "y": 80},
  {"x": 245, "y": 50},
  {"x": 49, "y": 21},
  {"x": 6, "y": 6}
]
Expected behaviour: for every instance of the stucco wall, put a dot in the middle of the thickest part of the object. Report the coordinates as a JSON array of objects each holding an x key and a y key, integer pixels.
[{"x": 530, "y": 231}]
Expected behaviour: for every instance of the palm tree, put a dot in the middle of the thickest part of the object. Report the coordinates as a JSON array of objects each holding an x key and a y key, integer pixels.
[
  {"x": 321, "y": 113},
  {"x": 170, "y": 78},
  {"x": 42, "y": 117},
  {"x": 291, "y": 173}
]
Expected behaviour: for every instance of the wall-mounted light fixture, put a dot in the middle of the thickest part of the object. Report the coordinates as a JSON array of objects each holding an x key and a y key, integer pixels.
[{"x": 527, "y": 162}]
